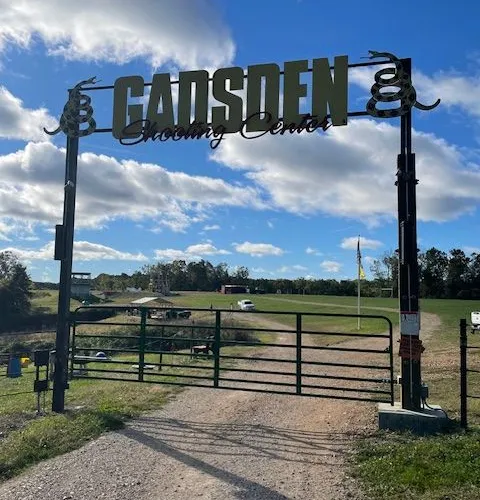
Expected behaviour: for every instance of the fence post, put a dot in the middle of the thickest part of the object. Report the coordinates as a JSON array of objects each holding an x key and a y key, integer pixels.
[
  {"x": 299, "y": 353},
  {"x": 463, "y": 373},
  {"x": 141, "y": 347},
  {"x": 72, "y": 352},
  {"x": 216, "y": 349}
]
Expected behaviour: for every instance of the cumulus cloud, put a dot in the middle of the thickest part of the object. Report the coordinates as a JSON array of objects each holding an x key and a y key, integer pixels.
[
  {"x": 191, "y": 253},
  {"x": 187, "y": 33},
  {"x": 31, "y": 189},
  {"x": 82, "y": 251},
  {"x": 330, "y": 266},
  {"x": 213, "y": 227},
  {"x": 351, "y": 243},
  {"x": 350, "y": 172},
  {"x": 469, "y": 250},
  {"x": 205, "y": 249},
  {"x": 312, "y": 251},
  {"x": 18, "y": 122},
  {"x": 258, "y": 249}
]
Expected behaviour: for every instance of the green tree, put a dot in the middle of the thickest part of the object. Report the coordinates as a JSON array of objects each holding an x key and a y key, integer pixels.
[
  {"x": 15, "y": 286},
  {"x": 457, "y": 274},
  {"x": 433, "y": 273}
]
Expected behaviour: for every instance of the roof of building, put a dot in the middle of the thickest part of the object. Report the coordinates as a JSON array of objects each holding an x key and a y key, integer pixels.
[{"x": 145, "y": 300}]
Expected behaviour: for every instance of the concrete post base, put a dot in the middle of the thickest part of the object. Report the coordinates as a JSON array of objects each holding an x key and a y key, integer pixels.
[{"x": 426, "y": 421}]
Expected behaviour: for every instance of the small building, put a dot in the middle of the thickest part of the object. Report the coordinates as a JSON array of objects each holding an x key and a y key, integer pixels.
[
  {"x": 81, "y": 285},
  {"x": 229, "y": 289}
]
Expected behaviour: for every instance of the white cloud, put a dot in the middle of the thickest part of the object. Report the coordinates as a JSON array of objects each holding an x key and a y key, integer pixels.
[
  {"x": 312, "y": 251},
  {"x": 82, "y": 251},
  {"x": 354, "y": 174},
  {"x": 171, "y": 254},
  {"x": 188, "y": 33},
  {"x": 290, "y": 269},
  {"x": 4, "y": 230},
  {"x": 213, "y": 227},
  {"x": 258, "y": 249},
  {"x": 351, "y": 243},
  {"x": 469, "y": 250},
  {"x": 31, "y": 190},
  {"x": 270, "y": 224},
  {"x": 331, "y": 266},
  {"x": 205, "y": 249},
  {"x": 192, "y": 252},
  {"x": 17, "y": 122}
]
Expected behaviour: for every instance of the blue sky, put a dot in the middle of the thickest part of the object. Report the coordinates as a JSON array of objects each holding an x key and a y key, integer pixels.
[{"x": 282, "y": 206}]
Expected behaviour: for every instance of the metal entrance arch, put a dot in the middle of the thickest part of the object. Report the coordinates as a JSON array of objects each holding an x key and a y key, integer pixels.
[
  {"x": 79, "y": 112},
  {"x": 214, "y": 349}
]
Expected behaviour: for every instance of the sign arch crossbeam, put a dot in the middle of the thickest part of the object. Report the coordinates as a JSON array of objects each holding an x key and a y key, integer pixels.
[{"x": 328, "y": 107}]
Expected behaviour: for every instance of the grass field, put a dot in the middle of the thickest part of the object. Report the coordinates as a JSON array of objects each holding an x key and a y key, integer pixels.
[{"x": 381, "y": 461}]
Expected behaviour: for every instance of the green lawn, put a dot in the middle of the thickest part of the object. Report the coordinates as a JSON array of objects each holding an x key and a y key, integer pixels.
[{"x": 46, "y": 301}]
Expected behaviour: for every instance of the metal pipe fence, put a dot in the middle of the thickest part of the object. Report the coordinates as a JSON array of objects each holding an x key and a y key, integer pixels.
[{"x": 219, "y": 353}]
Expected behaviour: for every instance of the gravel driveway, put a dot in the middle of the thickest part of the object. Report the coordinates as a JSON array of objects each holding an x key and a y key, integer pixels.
[{"x": 215, "y": 444}]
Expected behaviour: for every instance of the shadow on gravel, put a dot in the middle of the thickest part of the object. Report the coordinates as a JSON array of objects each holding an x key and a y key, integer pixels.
[{"x": 194, "y": 444}]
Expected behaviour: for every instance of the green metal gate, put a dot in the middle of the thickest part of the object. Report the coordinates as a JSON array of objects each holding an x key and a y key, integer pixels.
[{"x": 224, "y": 349}]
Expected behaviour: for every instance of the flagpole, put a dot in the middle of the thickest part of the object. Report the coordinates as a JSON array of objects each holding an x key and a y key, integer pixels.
[
  {"x": 358, "y": 296},
  {"x": 358, "y": 283}
]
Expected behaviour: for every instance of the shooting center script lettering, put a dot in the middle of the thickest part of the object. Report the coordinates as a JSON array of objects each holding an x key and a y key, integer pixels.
[{"x": 328, "y": 93}]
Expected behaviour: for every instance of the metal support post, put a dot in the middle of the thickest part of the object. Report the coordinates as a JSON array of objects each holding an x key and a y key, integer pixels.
[
  {"x": 463, "y": 373},
  {"x": 141, "y": 342},
  {"x": 66, "y": 247},
  {"x": 408, "y": 259},
  {"x": 299, "y": 354},
  {"x": 216, "y": 350}
]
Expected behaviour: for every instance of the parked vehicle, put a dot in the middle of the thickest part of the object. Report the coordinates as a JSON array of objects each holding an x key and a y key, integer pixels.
[
  {"x": 173, "y": 314},
  {"x": 246, "y": 305}
]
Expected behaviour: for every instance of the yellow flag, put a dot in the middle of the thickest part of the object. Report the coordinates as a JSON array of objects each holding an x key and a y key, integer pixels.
[{"x": 361, "y": 272}]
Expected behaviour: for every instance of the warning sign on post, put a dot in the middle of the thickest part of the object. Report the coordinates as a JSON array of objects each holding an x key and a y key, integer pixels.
[
  {"x": 410, "y": 323},
  {"x": 411, "y": 348}
]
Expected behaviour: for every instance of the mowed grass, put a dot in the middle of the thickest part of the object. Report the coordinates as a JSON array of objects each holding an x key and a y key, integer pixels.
[
  {"x": 46, "y": 301},
  {"x": 402, "y": 466},
  {"x": 282, "y": 309}
]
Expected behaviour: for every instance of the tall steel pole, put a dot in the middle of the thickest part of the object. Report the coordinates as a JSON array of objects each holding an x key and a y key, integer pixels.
[
  {"x": 408, "y": 262},
  {"x": 64, "y": 246}
]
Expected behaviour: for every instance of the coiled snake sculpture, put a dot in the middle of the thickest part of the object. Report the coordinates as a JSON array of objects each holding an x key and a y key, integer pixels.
[
  {"x": 71, "y": 118},
  {"x": 399, "y": 78}
]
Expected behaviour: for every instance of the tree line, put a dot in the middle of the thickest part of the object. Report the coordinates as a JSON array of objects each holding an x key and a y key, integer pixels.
[{"x": 453, "y": 275}]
